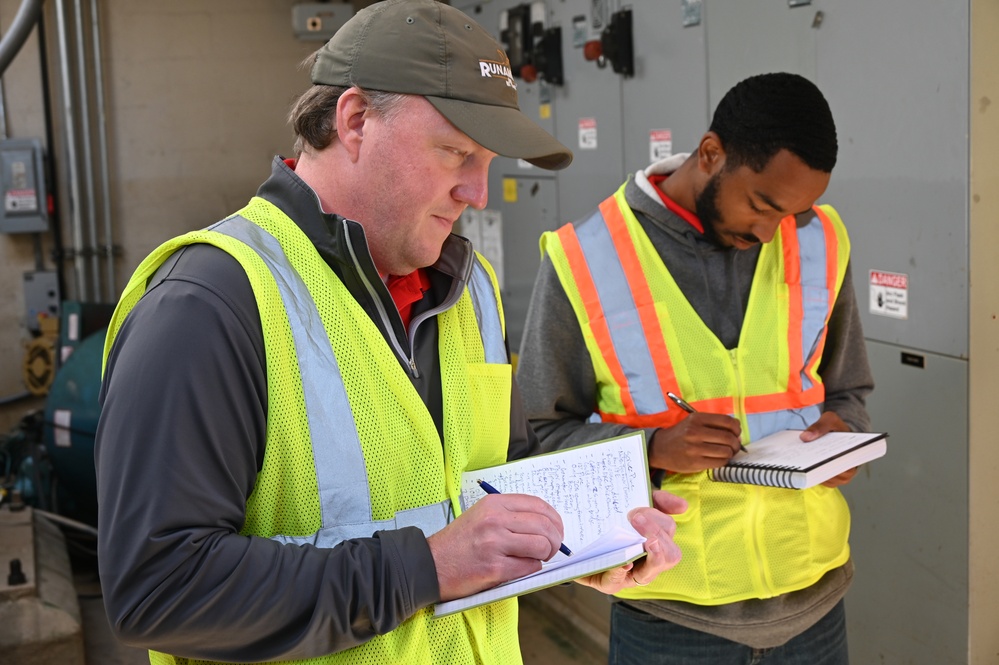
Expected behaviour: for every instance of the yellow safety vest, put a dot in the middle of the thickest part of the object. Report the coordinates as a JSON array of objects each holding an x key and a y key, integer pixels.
[
  {"x": 323, "y": 481},
  {"x": 645, "y": 339}
]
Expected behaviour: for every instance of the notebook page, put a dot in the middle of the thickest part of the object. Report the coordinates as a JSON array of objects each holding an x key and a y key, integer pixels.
[
  {"x": 592, "y": 487},
  {"x": 786, "y": 449}
]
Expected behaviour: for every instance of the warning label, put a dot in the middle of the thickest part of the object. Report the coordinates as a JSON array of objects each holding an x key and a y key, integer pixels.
[
  {"x": 660, "y": 144},
  {"x": 20, "y": 200},
  {"x": 587, "y": 133},
  {"x": 889, "y": 294}
]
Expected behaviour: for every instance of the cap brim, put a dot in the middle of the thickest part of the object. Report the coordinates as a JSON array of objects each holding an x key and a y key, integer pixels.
[{"x": 506, "y": 131}]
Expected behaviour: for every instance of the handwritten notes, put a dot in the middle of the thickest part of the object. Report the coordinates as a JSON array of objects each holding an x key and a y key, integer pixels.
[{"x": 592, "y": 487}]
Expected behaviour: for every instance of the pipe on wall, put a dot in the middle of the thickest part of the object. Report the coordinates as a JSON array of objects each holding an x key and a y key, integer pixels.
[
  {"x": 69, "y": 122},
  {"x": 24, "y": 21},
  {"x": 86, "y": 156},
  {"x": 102, "y": 151}
]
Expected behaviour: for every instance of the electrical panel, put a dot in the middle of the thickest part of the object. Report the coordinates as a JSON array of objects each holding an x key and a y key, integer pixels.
[
  {"x": 25, "y": 207},
  {"x": 317, "y": 21},
  {"x": 41, "y": 297}
]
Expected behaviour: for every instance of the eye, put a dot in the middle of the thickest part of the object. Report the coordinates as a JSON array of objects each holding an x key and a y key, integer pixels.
[
  {"x": 764, "y": 210},
  {"x": 457, "y": 153}
]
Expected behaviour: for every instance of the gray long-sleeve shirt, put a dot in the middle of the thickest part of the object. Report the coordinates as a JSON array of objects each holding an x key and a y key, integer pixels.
[
  {"x": 179, "y": 444},
  {"x": 558, "y": 385}
]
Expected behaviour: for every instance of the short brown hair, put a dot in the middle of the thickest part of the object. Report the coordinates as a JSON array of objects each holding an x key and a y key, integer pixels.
[{"x": 313, "y": 116}]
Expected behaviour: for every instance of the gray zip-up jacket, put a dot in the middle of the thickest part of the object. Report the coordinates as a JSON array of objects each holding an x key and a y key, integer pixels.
[
  {"x": 182, "y": 436},
  {"x": 558, "y": 385}
]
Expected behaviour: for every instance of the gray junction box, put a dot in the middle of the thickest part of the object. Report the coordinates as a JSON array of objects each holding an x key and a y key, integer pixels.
[{"x": 25, "y": 203}]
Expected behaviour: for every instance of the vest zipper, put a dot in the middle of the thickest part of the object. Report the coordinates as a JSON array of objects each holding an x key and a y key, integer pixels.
[{"x": 407, "y": 358}]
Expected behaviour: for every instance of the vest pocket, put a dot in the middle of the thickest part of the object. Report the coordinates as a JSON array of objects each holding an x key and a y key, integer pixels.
[{"x": 489, "y": 387}]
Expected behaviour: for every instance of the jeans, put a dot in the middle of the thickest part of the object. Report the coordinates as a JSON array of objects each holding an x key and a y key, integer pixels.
[{"x": 638, "y": 638}]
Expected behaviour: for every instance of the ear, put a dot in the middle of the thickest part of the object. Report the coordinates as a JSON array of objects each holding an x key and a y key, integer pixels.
[
  {"x": 351, "y": 114},
  {"x": 710, "y": 154}
]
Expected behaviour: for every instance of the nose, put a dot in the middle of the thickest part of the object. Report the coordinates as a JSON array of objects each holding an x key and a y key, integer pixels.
[{"x": 473, "y": 187}]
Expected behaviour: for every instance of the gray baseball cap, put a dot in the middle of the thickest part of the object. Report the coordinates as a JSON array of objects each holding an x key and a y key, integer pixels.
[{"x": 428, "y": 48}]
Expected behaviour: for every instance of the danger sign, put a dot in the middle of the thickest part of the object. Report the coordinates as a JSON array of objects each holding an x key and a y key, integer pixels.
[
  {"x": 587, "y": 133},
  {"x": 889, "y": 294}
]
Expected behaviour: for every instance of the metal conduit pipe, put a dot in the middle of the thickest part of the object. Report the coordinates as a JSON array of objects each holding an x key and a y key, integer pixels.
[
  {"x": 71, "y": 166},
  {"x": 86, "y": 158},
  {"x": 102, "y": 151},
  {"x": 24, "y": 21}
]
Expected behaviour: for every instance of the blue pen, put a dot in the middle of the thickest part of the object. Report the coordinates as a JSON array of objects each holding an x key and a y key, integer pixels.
[{"x": 489, "y": 489}]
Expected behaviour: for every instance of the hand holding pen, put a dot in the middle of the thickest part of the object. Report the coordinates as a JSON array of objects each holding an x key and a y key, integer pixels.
[
  {"x": 696, "y": 443},
  {"x": 489, "y": 489},
  {"x": 494, "y": 541},
  {"x": 689, "y": 409}
]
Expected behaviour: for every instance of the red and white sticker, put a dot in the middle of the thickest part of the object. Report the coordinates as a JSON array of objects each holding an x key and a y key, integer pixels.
[
  {"x": 889, "y": 294},
  {"x": 587, "y": 133},
  {"x": 660, "y": 144}
]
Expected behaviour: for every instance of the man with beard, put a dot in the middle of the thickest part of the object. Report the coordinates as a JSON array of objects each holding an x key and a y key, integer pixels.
[{"x": 714, "y": 276}]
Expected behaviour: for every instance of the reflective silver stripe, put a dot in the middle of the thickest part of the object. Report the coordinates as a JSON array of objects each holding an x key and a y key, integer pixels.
[
  {"x": 621, "y": 314},
  {"x": 815, "y": 290},
  {"x": 430, "y": 519},
  {"x": 480, "y": 288},
  {"x": 762, "y": 424},
  {"x": 341, "y": 474}
]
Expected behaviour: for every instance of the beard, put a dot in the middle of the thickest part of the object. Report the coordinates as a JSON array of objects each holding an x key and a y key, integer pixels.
[{"x": 706, "y": 209}]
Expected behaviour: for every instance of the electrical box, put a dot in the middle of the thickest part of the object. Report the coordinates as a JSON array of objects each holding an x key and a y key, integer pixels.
[
  {"x": 41, "y": 297},
  {"x": 317, "y": 21},
  {"x": 25, "y": 208}
]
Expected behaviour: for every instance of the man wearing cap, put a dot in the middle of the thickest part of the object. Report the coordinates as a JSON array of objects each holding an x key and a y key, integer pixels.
[{"x": 291, "y": 395}]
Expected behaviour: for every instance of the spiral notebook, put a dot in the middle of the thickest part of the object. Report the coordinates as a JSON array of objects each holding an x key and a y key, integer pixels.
[{"x": 784, "y": 460}]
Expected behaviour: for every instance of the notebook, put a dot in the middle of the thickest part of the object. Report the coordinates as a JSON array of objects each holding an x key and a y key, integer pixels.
[
  {"x": 784, "y": 460},
  {"x": 592, "y": 487}
]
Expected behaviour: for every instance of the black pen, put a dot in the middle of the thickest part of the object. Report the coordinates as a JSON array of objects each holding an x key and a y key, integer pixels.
[
  {"x": 689, "y": 409},
  {"x": 489, "y": 489}
]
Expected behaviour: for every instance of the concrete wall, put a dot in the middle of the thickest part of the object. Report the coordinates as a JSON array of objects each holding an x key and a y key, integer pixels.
[
  {"x": 23, "y": 106},
  {"x": 197, "y": 95}
]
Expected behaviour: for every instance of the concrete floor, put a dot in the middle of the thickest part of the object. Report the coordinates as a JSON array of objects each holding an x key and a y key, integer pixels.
[{"x": 548, "y": 639}]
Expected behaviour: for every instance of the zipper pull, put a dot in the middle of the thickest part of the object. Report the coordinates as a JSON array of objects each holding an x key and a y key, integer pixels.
[{"x": 412, "y": 366}]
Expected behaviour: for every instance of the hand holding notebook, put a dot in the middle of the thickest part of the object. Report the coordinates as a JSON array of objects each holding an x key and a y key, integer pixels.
[
  {"x": 784, "y": 460},
  {"x": 593, "y": 488}
]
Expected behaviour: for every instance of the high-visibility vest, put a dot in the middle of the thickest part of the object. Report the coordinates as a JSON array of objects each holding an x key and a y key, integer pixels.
[
  {"x": 645, "y": 339},
  {"x": 351, "y": 448}
]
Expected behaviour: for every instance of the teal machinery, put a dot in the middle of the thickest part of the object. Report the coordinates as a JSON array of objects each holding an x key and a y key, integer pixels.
[{"x": 49, "y": 457}]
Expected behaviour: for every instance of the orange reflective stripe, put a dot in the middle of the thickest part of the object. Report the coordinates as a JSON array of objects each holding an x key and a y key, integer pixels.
[
  {"x": 645, "y": 421},
  {"x": 594, "y": 312},
  {"x": 641, "y": 293},
  {"x": 723, "y": 405},
  {"x": 783, "y": 401},
  {"x": 792, "y": 277}
]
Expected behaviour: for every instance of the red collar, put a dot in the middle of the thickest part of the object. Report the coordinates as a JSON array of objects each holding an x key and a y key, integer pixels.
[
  {"x": 407, "y": 290},
  {"x": 691, "y": 218}
]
